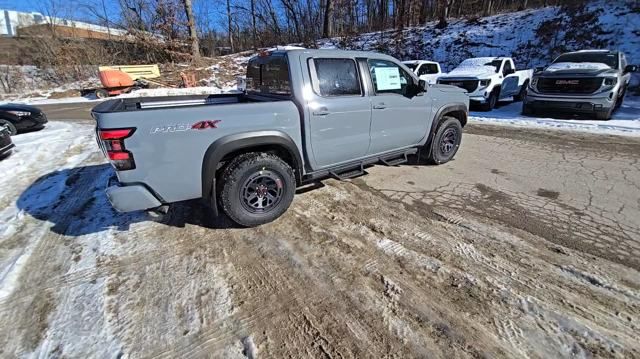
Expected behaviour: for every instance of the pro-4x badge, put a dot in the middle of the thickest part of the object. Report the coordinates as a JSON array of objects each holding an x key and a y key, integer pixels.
[
  {"x": 203, "y": 125},
  {"x": 182, "y": 127}
]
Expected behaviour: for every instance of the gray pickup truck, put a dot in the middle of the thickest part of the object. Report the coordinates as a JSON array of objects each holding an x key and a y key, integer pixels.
[
  {"x": 590, "y": 82},
  {"x": 305, "y": 115}
]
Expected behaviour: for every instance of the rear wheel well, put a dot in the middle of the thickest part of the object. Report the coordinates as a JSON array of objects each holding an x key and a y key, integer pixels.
[{"x": 274, "y": 149}]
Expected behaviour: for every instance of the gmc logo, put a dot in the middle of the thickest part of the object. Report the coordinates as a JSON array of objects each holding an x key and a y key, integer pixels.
[
  {"x": 567, "y": 82},
  {"x": 203, "y": 125}
]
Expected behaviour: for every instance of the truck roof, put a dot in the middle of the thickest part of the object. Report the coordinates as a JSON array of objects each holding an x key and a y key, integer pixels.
[
  {"x": 419, "y": 62},
  {"x": 324, "y": 52},
  {"x": 594, "y": 50}
]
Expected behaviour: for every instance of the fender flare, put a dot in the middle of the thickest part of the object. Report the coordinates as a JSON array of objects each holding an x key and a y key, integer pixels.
[
  {"x": 458, "y": 106},
  {"x": 231, "y": 143}
]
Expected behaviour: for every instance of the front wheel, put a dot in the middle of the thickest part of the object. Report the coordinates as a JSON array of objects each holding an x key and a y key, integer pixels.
[
  {"x": 257, "y": 188},
  {"x": 620, "y": 99},
  {"x": 12, "y": 128},
  {"x": 523, "y": 92},
  {"x": 102, "y": 93},
  {"x": 446, "y": 141},
  {"x": 492, "y": 101}
]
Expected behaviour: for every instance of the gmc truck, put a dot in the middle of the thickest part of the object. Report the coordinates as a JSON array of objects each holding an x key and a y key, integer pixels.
[
  {"x": 428, "y": 71},
  {"x": 305, "y": 115},
  {"x": 591, "y": 82},
  {"x": 489, "y": 80}
]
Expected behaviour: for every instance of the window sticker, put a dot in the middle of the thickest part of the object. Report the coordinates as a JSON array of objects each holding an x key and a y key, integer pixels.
[{"x": 387, "y": 78}]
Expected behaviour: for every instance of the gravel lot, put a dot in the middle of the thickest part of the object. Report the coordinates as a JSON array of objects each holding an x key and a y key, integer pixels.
[{"x": 527, "y": 245}]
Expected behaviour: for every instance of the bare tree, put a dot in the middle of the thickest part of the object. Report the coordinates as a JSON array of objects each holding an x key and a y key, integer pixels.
[
  {"x": 230, "y": 26},
  {"x": 193, "y": 33},
  {"x": 326, "y": 31}
]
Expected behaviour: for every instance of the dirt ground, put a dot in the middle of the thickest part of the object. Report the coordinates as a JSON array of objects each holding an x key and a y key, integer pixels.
[{"x": 527, "y": 245}]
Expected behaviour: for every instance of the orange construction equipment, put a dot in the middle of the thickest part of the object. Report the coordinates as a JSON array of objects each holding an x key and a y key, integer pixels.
[{"x": 115, "y": 82}]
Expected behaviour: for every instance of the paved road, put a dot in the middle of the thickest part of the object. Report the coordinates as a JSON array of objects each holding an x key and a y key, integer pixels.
[
  {"x": 69, "y": 111},
  {"x": 581, "y": 191}
]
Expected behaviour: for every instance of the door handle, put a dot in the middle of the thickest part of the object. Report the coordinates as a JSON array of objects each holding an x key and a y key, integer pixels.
[
  {"x": 322, "y": 111},
  {"x": 380, "y": 106}
]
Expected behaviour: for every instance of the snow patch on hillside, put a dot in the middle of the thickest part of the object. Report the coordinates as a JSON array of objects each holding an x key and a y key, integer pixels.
[{"x": 532, "y": 37}]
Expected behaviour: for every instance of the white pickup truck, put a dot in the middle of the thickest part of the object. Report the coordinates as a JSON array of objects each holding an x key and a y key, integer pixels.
[
  {"x": 429, "y": 71},
  {"x": 489, "y": 80}
]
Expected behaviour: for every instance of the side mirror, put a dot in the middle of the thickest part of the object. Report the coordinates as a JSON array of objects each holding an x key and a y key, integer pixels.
[
  {"x": 539, "y": 69},
  {"x": 422, "y": 84},
  {"x": 630, "y": 68}
]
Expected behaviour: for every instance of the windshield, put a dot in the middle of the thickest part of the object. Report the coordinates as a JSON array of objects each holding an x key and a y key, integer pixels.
[
  {"x": 606, "y": 58},
  {"x": 268, "y": 75}
]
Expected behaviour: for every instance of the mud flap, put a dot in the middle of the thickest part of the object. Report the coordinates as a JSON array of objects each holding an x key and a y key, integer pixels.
[{"x": 213, "y": 201}]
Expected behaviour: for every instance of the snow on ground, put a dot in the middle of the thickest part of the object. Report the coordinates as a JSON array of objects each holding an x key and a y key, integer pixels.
[
  {"x": 625, "y": 121},
  {"x": 201, "y": 90},
  {"x": 57, "y": 230},
  {"x": 59, "y": 145},
  {"x": 52, "y": 101}
]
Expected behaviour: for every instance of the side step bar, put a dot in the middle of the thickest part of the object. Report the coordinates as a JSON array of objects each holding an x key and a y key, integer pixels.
[
  {"x": 349, "y": 173},
  {"x": 394, "y": 161},
  {"x": 356, "y": 169}
]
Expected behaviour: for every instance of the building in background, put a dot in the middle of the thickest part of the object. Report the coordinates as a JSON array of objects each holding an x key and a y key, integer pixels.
[{"x": 16, "y": 23}]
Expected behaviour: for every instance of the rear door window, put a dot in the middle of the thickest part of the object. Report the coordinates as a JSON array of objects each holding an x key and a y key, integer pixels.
[
  {"x": 336, "y": 77},
  {"x": 269, "y": 75},
  {"x": 507, "y": 67}
]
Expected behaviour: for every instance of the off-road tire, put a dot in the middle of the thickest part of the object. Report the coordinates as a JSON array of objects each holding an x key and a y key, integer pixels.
[
  {"x": 492, "y": 101},
  {"x": 604, "y": 116},
  {"x": 436, "y": 154},
  {"x": 233, "y": 187},
  {"x": 523, "y": 92},
  {"x": 102, "y": 93},
  {"x": 12, "y": 128},
  {"x": 620, "y": 99},
  {"x": 527, "y": 110}
]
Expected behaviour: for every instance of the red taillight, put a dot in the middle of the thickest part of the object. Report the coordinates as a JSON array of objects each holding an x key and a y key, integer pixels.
[
  {"x": 113, "y": 142},
  {"x": 119, "y": 134},
  {"x": 119, "y": 155}
]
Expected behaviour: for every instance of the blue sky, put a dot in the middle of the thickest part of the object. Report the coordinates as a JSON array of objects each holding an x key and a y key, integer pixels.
[{"x": 78, "y": 9}]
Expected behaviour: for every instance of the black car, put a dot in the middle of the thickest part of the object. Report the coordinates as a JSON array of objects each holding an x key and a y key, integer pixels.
[
  {"x": 5, "y": 141},
  {"x": 19, "y": 118}
]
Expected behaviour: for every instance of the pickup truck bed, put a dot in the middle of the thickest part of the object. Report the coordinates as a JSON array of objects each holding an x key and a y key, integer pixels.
[
  {"x": 145, "y": 103},
  {"x": 165, "y": 136}
]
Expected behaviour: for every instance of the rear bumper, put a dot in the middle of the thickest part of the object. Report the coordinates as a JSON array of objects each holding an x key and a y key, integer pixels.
[
  {"x": 131, "y": 198},
  {"x": 4, "y": 150},
  {"x": 32, "y": 122}
]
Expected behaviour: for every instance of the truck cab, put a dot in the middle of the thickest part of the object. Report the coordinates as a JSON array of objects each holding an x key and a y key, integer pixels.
[
  {"x": 305, "y": 115},
  {"x": 489, "y": 80},
  {"x": 429, "y": 71}
]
